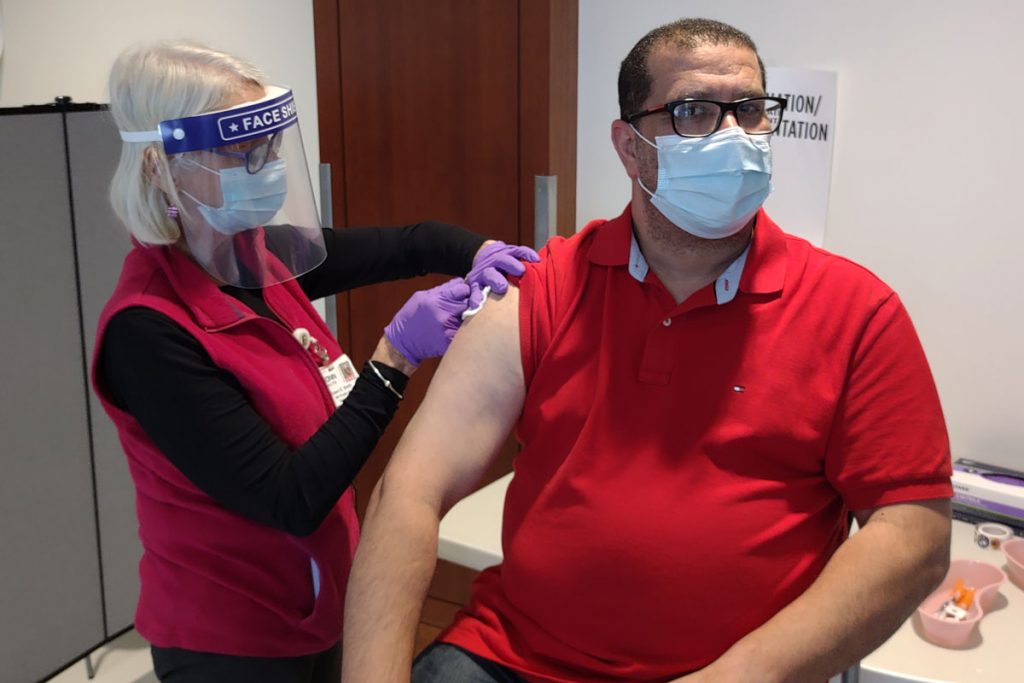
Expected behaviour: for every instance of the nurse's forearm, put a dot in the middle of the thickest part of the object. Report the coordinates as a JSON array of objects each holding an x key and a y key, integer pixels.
[
  {"x": 387, "y": 353},
  {"x": 392, "y": 572}
]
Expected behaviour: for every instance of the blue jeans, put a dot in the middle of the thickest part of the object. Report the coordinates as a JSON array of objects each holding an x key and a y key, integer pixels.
[{"x": 444, "y": 663}]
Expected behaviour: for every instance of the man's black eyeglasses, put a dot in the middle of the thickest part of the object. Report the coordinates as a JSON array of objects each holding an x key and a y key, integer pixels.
[{"x": 700, "y": 118}]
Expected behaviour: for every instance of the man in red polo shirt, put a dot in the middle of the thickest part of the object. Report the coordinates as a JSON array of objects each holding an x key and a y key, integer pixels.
[{"x": 702, "y": 401}]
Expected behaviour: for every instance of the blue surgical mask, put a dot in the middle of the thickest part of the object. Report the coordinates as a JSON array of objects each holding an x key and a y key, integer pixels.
[
  {"x": 250, "y": 200},
  {"x": 711, "y": 187}
]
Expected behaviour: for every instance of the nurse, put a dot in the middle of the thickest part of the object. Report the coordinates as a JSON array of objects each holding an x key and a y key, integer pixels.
[{"x": 243, "y": 421}]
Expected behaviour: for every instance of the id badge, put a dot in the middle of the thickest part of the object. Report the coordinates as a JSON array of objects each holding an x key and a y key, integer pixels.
[{"x": 340, "y": 376}]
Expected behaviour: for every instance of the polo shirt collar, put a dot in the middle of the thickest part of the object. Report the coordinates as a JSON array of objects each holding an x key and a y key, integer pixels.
[
  {"x": 760, "y": 269},
  {"x": 726, "y": 285}
]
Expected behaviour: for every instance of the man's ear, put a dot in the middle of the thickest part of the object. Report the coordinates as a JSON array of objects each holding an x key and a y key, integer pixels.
[{"x": 624, "y": 140}]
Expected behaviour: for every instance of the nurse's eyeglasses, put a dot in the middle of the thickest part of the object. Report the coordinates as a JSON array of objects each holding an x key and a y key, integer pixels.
[{"x": 257, "y": 156}]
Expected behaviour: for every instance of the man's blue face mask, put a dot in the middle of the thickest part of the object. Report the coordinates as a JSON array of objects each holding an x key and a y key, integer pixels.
[{"x": 712, "y": 186}]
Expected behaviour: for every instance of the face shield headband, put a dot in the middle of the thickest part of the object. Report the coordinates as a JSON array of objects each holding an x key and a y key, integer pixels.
[
  {"x": 245, "y": 122},
  {"x": 246, "y": 206}
]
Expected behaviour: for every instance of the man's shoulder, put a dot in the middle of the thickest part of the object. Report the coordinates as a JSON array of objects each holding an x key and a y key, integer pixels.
[
  {"x": 823, "y": 267},
  {"x": 579, "y": 240},
  {"x": 576, "y": 247},
  {"x": 550, "y": 289}
]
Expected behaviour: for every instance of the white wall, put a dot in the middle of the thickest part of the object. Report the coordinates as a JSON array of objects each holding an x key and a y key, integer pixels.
[
  {"x": 927, "y": 169},
  {"x": 66, "y": 47}
]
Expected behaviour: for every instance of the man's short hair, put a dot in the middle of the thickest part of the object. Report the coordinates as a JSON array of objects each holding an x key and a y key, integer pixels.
[{"x": 687, "y": 34}]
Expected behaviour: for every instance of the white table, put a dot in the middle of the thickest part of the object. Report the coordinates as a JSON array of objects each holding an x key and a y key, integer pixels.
[{"x": 470, "y": 536}]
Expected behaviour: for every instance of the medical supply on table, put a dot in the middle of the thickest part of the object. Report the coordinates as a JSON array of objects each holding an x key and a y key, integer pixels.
[
  {"x": 1013, "y": 550},
  {"x": 987, "y": 493},
  {"x": 949, "y": 616},
  {"x": 989, "y": 535},
  {"x": 959, "y": 602}
]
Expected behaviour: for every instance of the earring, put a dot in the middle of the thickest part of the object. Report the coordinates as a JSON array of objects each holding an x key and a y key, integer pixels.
[{"x": 172, "y": 212}]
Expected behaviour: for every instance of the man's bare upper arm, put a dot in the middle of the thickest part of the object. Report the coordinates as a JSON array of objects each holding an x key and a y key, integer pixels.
[{"x": 470, "y": 408}]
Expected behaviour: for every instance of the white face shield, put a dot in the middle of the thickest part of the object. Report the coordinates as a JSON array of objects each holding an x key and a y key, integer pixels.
[{"x": 246, "y": 205}]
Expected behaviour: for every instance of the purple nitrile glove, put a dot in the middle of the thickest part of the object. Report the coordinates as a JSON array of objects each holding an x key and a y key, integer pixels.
[
  {"x": 427, "y": 323},
  {"x": 477, "y": 294},
  {"x": 496, "y": 260}
]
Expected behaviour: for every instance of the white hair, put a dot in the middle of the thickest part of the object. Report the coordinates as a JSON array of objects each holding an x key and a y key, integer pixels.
[{"x": 154, "y": 83}]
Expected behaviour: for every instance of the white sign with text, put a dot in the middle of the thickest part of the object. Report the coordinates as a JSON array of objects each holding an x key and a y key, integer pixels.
[{"x": 802, "y": 150}]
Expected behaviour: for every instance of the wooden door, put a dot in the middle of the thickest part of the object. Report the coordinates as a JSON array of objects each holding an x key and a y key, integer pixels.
[{"x": 442, "y": 110}]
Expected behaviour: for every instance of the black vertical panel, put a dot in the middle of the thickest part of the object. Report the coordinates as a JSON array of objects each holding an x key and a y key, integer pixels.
[
  {"x": 50, "y": 604},
  {"x": 101, "y": 244}
]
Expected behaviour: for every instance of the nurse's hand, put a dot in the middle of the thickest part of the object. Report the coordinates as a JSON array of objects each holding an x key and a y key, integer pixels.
[
  {"x": 427, "y": 323},
  {"x": 494, "y": 261}
]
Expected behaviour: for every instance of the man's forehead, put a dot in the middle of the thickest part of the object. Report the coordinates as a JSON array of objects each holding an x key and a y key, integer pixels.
[{"x": 699, "y": 71}]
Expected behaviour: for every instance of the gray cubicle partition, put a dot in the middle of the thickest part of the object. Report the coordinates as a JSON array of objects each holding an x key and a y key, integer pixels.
[
  {"x": 68, "y": 542},
  {"x": 102, "y": 242}
]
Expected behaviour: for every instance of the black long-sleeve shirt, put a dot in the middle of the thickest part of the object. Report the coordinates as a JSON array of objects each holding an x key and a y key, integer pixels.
[{"x": 199, "y": 415}]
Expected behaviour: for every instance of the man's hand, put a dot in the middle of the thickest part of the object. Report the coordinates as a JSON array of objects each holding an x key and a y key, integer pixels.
[{"x": 866, "y": 591}]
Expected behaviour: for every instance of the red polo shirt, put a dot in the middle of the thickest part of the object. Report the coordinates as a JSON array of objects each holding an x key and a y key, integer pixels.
[{"x": 687, "y": 469}]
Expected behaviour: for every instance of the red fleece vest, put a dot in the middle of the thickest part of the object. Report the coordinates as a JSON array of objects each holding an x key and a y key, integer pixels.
[{"x": 212, "y": 580}]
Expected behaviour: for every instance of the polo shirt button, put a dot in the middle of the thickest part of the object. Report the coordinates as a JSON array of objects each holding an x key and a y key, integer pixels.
[{"x": 666, "y": 322}]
